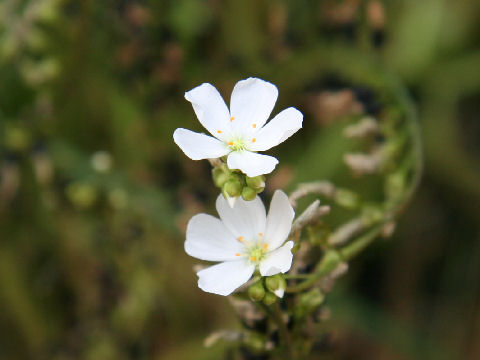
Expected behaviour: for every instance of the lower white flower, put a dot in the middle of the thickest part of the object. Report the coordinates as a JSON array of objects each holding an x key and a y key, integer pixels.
[{"x": 243, "y": 239}]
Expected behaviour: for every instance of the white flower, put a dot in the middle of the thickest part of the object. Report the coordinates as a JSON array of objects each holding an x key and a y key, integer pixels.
[
  {"x": 240, "y": 132},
  {"x": 243, "y": 239}
]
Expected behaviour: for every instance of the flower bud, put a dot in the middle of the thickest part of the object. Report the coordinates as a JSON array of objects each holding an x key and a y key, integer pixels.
[
  {"x": 329, "y": 261},
  {"x": 346, "y": 198},
  {"x": 270, "y": 298},
  {"x": 308, "y": 302},
  {"x": 220, "y": 176},
  {"x": 276, "y": 284},
  {"x": 233, "y": 187},
  {"x": 256, "y": 292},
  {"x": 257, "y": 183},
  {"x": 248, "y": 193}
]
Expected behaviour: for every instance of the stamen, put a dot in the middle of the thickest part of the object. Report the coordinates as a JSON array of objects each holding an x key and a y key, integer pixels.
[
  {"x": 265, "y": 246},
  {"x": 232, "y": 118},
  {"x": 240, "y": 238},
  {"x": 257, "y": 252},
  {"x": 238, "y": 254},
  {"x": 260, "y": 234},
  {"x": 219, "y": 131},
  {"x": 253, "y": 140},
  {"x": 237, "y": 144},
  {"x": 254, "y": 126}
]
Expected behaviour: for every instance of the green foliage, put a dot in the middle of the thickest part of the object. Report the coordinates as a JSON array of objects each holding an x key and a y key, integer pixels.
[{"x": 92, "y": 264}]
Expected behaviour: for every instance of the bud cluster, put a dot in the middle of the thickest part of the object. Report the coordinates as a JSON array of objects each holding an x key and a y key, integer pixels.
[
  {"x": 267, "y": 289},
  {"x": 234, "y": 183}
]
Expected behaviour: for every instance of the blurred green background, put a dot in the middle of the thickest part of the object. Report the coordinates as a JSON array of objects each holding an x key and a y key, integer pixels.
[{"x": 95, "y": 196}]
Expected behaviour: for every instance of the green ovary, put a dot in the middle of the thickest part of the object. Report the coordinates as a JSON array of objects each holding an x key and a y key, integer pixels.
[{"x": 257, "y": 253}]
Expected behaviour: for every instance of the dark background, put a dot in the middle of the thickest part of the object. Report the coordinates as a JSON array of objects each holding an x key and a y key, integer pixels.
[{"x": 91, "y": 244}]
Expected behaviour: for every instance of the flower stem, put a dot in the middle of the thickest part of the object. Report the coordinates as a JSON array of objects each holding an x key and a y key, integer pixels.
[
  {"x": 282, "y": 330},
  {"x": 311, "y": 280},
  {"x": 351, "y": 250}
]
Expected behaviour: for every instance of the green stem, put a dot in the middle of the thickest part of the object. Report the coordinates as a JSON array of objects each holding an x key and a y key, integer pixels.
[
  {"x": 283, "y": 331},
  {"x": 296, "y": 276},
  {"x": 329, "y": 262},
  {"x": 312, "y": 279},
  {"x": 355, "y": 247}
]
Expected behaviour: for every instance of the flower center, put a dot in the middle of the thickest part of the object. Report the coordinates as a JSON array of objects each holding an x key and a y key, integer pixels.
[
  {"x": 237, "y": 145},
  {"x": 257, "y": 253}
]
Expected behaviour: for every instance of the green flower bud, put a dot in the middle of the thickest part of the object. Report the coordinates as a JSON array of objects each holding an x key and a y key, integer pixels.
[
  {"x": 346, "y": 198},
  {"x": 308, "y": 302},
  {"x": 256, "y": 292},
  {"x": 233, "y": 187},
  {"x": 270, "y": 298},
  {"x": 220, "y": 176},
  {"x": 256, "y": 183},
  {"x": 329, "y": 261},
  {"x": 276, "y": 284},
  {"x": 248, "y": 193},
  {"x": 272, "y": 283}
]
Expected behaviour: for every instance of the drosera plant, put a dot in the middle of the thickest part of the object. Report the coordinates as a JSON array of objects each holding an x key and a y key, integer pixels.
[{"x": 277, "y": 269}]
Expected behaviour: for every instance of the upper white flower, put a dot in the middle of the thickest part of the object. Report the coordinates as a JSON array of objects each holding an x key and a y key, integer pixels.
[
  {"x": 242, "y": 239},
  {"x": 240, "y": 132}
]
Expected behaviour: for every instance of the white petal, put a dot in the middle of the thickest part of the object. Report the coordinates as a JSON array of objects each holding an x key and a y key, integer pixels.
[
  {"x": 208, "y": 239},
  {"x": 245, "y": 218},
  {"x": 199, "y": 146},
  {"x": 277, "y": 261},
  {"x": 279, "y": 220},
  {"x": 279, "y": 129},
  {"x": 211, "y": 110},
  {"x": 251, "y": 103},
  {"x": 251, "y": 163},
  {"x": 279, "y": 292},
  {"x": 231, "y": 200},
  {"x": 224, "y": 278}
]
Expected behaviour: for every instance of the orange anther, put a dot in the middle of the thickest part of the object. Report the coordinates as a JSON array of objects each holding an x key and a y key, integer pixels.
[
  {"x": 238, "y": 254},
  {"x": 254, "y": 126},
  {"x": 232, "y": 118},
  {"x": 240, "y": 238},
  {"x": 230, "y": 143},
  {"x": 265, "y": 246},
  {"x": 260, "y": 233},
  {"x": 219, "y": 131},
  {"x": 253, "y": 140},
  {"x": 253, "y": 258}
]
